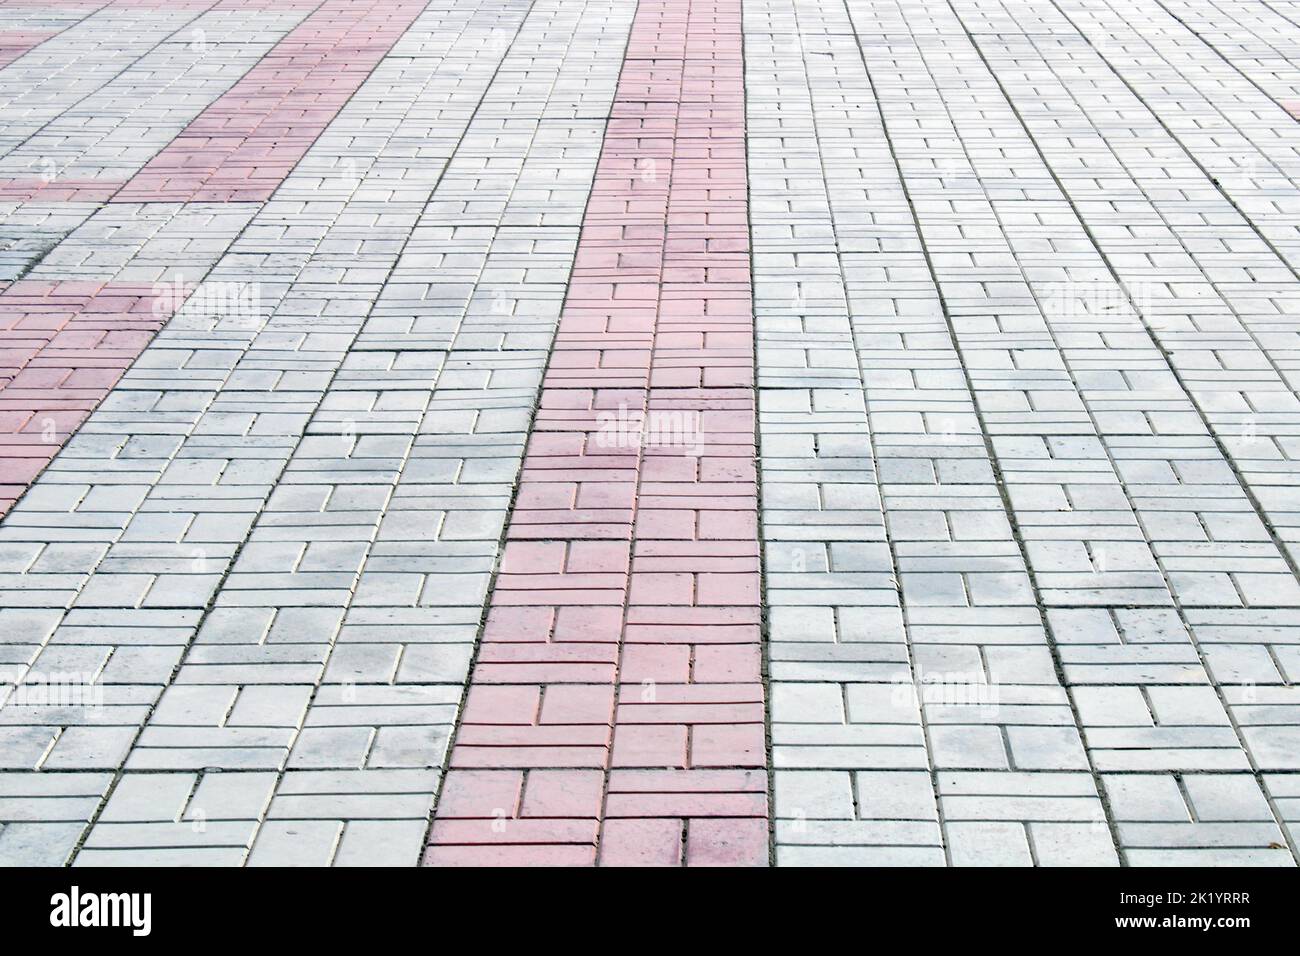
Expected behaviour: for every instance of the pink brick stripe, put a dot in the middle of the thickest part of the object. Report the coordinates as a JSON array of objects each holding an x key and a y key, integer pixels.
[
  {"x": 615, "y": 712},
  {"x": 63, "y": 346},
  {"x": 245, "y": 144}
]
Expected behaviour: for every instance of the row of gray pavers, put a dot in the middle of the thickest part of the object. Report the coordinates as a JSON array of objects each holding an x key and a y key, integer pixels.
[{"x": 1096, "y": 488}]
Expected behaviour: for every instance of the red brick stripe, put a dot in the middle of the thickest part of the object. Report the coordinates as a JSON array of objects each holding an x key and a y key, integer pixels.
[
  {"x": 245, "y": 144},
  {"x": 615, "y": 712},
  {"x": 63, "y": 346}
]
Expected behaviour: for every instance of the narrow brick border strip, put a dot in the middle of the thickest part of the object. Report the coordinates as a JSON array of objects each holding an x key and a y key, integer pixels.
[{"x": 615, "y": 712}]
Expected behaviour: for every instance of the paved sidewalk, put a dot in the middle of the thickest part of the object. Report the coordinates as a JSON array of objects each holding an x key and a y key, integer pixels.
[{"x": 678, "y": 432}]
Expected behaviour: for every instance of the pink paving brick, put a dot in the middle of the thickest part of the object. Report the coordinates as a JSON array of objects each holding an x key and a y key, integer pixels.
[
  {"x": 245, "y": 144},
  {"x": 63, "y": 346},
  {"x": 622, "y": 638},
  {"x": 58, "y": 190}
]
